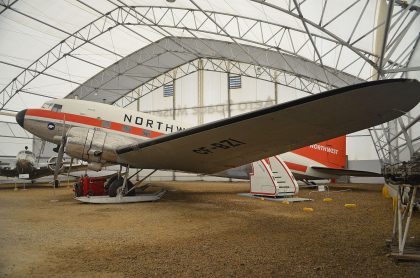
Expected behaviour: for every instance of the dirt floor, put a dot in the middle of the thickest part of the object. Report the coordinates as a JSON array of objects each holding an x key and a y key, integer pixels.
[{"x": 199, "y": 229}]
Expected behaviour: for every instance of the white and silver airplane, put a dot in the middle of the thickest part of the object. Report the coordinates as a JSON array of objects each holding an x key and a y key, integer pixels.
[
  {"x": 102, "y": 134},
  {"x": 27, "y": 167}
]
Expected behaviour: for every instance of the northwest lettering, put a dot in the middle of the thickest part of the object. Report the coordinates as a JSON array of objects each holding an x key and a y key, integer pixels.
[
  {"x": 152, "y": 124},
  {"x": 324, "y": 148}
]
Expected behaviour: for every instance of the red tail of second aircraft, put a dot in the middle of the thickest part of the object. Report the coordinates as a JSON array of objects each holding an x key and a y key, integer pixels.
[{"x": 330, "y": 153}]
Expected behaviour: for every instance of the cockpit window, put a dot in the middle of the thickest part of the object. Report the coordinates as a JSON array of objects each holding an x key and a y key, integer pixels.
[
  {"x": 57, "y": 108},
  {"x": 47, "y": 105}
]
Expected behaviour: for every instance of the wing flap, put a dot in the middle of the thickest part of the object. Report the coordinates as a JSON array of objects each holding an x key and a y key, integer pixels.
[{"x": 235, "y": 141}]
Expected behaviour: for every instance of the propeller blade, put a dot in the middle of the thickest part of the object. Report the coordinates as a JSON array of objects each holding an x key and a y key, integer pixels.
[{"x": 59, "y": 161}]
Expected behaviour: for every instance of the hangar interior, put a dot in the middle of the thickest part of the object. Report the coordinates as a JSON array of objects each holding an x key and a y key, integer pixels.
[
  {"x": 197, "y": 61},
  {"x": 200, "y": 61}
]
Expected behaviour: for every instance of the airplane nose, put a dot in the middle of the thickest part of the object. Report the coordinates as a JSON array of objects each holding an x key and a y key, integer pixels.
[{"x": 20, "y": 117}]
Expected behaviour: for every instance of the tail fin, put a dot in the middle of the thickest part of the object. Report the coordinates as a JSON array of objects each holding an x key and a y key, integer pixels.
[{"x": 330, "y": 153}]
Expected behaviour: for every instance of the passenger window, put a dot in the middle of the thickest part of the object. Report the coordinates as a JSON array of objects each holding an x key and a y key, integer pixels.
[
  {"x": 126, "y": 128},
  {"x": 106, "y": 124},
  {"x": 57, "y": 108}
]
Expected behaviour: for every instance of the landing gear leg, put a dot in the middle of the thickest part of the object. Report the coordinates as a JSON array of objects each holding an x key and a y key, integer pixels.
[
  {"x": 120, "y": 186},
  {"x": 310, "y": 184},
  {"x": 123, "y": 190}
]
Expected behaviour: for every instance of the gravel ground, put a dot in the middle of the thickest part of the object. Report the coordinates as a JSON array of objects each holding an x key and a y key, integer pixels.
[{"x": 199, "y": 229}]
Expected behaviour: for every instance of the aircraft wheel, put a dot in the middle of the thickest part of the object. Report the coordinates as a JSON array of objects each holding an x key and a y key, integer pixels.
[
  {"x": 117, "y": 184},
  {"x": 109, "y": 182}
]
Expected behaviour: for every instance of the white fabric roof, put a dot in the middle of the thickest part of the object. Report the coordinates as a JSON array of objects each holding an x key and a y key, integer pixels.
[
  {"x": 171, "y": 52},
  {"x": 51, "y": 48}
]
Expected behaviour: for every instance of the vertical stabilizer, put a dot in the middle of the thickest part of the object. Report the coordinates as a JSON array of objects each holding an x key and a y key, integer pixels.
[{"x": 330, "y": 153}]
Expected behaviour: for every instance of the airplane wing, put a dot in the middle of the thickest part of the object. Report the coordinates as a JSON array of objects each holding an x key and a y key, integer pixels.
[
  {"x": 40, "y": 172},
  {"x": 73, "y": 168},
  {"x": 235, "y": 141},
  {"x": 8, "y": 172},
  {"x": 93, "y": 174},
  {"x": 10, "y": 114},
  {"x": 345, "y": 172}
]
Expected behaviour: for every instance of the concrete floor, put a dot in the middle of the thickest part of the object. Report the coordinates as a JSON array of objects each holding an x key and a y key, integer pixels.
[{"x": 199, "y": 229}]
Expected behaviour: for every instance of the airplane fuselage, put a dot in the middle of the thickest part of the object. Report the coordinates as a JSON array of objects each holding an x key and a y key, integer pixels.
[
  {"x": 48, "y": 122},
  {"x": 120, "y": 126}
]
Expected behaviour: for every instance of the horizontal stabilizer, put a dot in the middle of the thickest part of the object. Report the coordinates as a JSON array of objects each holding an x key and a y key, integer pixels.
[{"x": 345, "y": 172}]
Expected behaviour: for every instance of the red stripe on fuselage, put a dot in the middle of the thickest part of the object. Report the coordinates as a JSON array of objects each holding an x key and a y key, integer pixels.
[
  {"x": 47, "y": 114},
  {"x": 296, "y": 167}
]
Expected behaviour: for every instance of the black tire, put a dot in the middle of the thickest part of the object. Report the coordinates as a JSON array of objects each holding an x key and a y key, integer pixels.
[
  {"x": 117, "y": 183},
  {"x": 77, "y": 189},
  {"x": 56, "y": 183},
  {"x": 109, "y": 182}
]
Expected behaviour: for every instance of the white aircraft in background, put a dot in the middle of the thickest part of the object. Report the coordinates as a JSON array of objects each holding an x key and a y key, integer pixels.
[
  {"x": 102, "y": 134},
  {"x": 27, "y": 167}
]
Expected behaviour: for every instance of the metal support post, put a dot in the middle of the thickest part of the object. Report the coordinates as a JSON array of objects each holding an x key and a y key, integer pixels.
[
  {"x": 228, "y": 98},
  {"x": 174, "y": 107},
  {"x": 407, "y": 223},
  {"x": 138, "y": 110},
  {"x": 228, "y": 94},
  {"x": 200, "y": 91},
  {"x": 399, "y": 214},
  {"x": 276, "y": 89}
]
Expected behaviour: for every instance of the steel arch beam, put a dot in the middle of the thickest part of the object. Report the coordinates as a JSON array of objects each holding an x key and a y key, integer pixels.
[
  {"x": 55, "y": 54},
  {"x": 134, "y": 70},
  {"x": 284, "y": 78},
  {"x": 155, "y": 16},
  {"x": 124, "y": 16}
]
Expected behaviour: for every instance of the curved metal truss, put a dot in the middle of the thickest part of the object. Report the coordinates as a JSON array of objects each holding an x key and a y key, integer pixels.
[
  {"x": 169, "y": 53},
  {"x": 396, "y": 141},
  {"x": 285, "y": 39}
]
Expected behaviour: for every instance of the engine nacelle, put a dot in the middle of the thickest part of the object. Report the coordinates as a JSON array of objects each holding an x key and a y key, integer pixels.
[
  {"x": 95, "y": 166},
  {"x": 94, "y": 145}
]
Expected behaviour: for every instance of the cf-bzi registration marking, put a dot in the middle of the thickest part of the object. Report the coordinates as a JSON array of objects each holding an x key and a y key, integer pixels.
[{"x": 223, "y": 145}]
